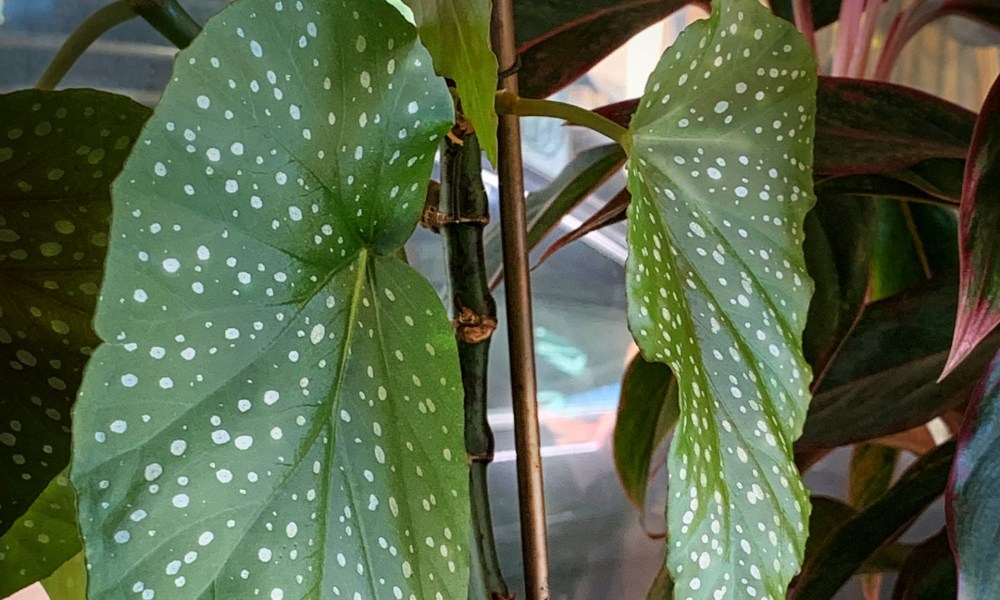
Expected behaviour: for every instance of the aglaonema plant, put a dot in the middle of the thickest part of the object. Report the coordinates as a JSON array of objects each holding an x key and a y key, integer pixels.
[{"x": 268, "y": 401}]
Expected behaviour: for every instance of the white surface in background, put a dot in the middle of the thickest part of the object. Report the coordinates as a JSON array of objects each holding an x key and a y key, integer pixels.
[{"x": 34, "y": 592}]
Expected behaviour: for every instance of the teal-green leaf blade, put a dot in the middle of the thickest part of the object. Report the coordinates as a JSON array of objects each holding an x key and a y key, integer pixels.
[
  {"x": 457, "y": 34},
  {"x": 971, "y": 502},
  {"x": 277, "y": 406},
  {"x": 59, "y": 152},
  {"x": 720, "y": 176}
]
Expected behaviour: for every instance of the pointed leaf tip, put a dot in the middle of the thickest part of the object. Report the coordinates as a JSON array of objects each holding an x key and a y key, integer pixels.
[
  {"x": 979, "y": 235},
  {"x": 720, "y": 172}
]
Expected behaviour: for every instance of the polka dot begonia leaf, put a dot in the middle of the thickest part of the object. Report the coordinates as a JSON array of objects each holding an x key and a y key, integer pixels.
[
  {"x": 41, "y": 539},
  {"x": 277, "y": 409},
  {"x": 720, "y": 176},
  {"x": 59, "y": 152}
]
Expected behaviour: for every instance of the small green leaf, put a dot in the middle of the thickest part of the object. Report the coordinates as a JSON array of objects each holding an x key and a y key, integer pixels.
[
  {"x": 871, "y": 470},
  {"x": 59, "y": 152},
  {"x": 719, "y": 171},
  {"x": 972, "y": 502},
  {"x": 41, "y": 539},
  {"x": 277, "y": 407},
  {"x": 647, "y": 412},
  {"x": 457, "y": 34}
]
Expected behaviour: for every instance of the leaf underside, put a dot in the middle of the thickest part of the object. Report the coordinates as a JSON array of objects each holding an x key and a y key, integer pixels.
[
  {"x": 59, "y": 152},
  {"x": 277, "y": 408},
  {"x": 719, "y": 171},
  {"x": 971, "y": 500}
]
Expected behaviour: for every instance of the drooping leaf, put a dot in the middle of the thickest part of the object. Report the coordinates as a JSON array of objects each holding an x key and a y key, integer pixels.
[
  {"x": 719, "y": 171},
  {"x": 563, "y": 54},
  {"x": 884, "y": 377},
  {"x": 59, "y": 152},
  {"x": 43, "y": 538},
  {"x": 277, "y": 405},
  {"x": 972, "y": 501},
  {"x": 647, "y": 412},
  {"x": 584, "y": 174},
  {"x": 872, "y": 126},
  {"x": 457, "y": 34},
  {"x": 979, "y": 218},
  {"x": 860, "y": 536},
  {"x": 68, "y": 582},
  {"x": 929, "y": 572}
]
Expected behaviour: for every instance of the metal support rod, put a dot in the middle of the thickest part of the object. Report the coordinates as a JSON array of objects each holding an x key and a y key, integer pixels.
[{"x": 513, "y": 232}]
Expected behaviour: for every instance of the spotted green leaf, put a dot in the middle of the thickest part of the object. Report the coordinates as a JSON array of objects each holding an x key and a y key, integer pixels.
[
  {"x": 40, "y": 540},
  {"x": 457, "y": 34},
  {"x": 69, "y": 581},
  {"x": 59, "y": 152},
  {"x": 276, "y": 409},
  {"x": 720, "y": 176}
]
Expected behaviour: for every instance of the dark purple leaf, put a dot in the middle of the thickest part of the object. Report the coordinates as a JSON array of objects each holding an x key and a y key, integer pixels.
[
  {"x": 883, "y": 379},
  {"x": 872, "y": 127},
  {"x": 560, "y": 56},
  {"x": 979, "y": 242},
  {"x": 612, "y": 212},
  {"x": 584, "y": 174},
  {"x": 846, "y": 550},
  {"x": 929, "y": 572},
  {"x": 973, "y": 504}
]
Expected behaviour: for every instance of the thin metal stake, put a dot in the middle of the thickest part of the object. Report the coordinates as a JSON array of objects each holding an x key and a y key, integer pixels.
[{"x": 513, "y": 228}]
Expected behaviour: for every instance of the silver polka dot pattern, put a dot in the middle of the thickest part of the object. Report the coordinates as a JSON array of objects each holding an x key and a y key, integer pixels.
[{"x": 720, "y": 176}]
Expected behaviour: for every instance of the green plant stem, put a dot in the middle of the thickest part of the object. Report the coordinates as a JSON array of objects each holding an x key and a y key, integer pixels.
[
  {"x": 463, "y": 198},
  {"x": 509, "y": 103},
  {"x": 170, "y": 19},
  {"x": 81, "y": 38}
]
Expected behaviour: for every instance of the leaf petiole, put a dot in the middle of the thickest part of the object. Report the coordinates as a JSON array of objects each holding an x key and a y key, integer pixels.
[
  {"x": 166, "y": 16},
  {"x": 509, "y": 103},
  {"x": 93, "y": 27}
]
